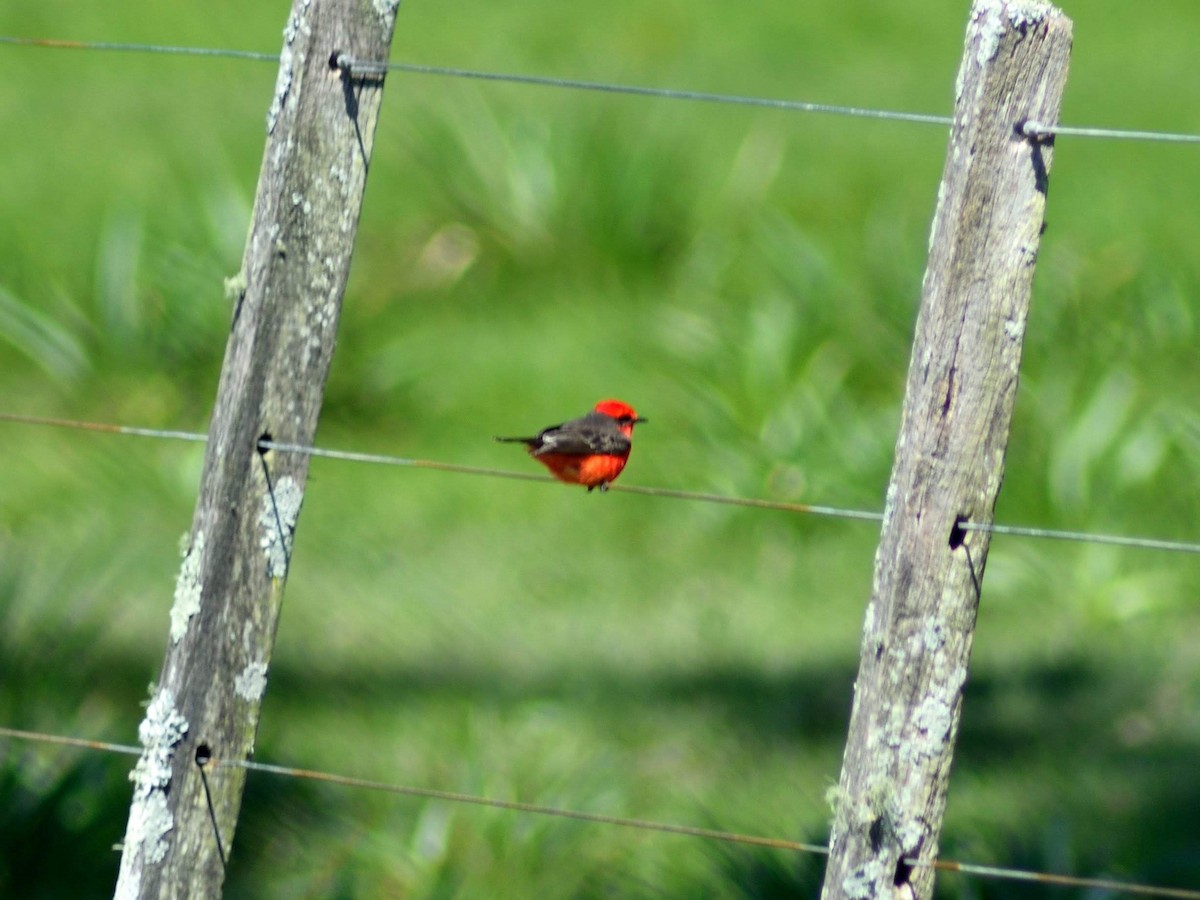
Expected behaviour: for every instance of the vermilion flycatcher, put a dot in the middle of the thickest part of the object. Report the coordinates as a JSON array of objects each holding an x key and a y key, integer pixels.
[{"x": 591, "y": 450}]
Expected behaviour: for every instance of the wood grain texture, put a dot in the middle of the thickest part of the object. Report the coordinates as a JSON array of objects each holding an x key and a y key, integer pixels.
[
  {"x": 287, "y": 300},
  {"x": 950, "y": 453}
]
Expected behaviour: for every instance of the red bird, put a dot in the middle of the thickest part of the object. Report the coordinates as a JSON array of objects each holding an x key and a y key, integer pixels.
[{"x": 591, "y": 450}]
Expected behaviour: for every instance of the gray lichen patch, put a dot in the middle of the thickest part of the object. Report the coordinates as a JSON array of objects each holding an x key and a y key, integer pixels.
[
  {"x": 251, "y": 682},
  {"x": 188, "y": 589},
  {"x": 297, "y": 25},
  {"x": 149, "y": 817},
  {"x": 277, "y": 522},
  {"x": 1000, "y": 16},
  {"x": 386, "y": 10}
]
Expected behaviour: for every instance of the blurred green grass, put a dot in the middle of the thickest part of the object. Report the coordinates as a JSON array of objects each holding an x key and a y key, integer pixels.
[{"x": 748, "y": 280}]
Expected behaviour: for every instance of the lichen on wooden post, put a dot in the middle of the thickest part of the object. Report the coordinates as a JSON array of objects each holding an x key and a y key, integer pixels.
[
  {"x": 950, "y": 453},
  {"x": 287, "y": 302}
]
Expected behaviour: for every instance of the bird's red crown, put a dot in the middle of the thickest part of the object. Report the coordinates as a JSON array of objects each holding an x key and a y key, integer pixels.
[{"x": 616, "y": 409}]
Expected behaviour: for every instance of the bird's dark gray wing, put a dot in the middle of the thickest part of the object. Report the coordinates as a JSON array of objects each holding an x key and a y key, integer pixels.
[{"x": 594, "y": 433}]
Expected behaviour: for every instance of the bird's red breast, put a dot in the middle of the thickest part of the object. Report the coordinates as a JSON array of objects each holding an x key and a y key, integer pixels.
[{"x": 595, "y": 470}]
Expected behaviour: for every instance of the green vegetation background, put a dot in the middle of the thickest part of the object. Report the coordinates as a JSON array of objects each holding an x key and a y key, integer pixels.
[{"x": 748, "y": 280}]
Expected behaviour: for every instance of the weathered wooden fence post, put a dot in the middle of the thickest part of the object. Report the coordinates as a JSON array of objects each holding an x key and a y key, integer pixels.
[
  {"x": 950, "y": 454},
  {"x": 287, "y": 299}
]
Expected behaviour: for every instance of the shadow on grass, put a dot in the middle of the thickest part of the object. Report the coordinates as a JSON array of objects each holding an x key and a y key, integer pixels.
[
  {"x": 60, "y": 827},
  {"x": 802, "y": 705},
  {"x": 736, "y": 873}
]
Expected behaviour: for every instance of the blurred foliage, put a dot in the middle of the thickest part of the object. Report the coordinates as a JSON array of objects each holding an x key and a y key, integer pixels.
[{"x": 748, "y": 280}]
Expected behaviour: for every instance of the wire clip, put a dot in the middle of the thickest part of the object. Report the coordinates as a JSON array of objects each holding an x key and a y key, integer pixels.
[{"x": 356, "y": 68}]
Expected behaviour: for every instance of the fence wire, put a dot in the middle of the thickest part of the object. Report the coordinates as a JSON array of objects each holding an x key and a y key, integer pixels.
[
  {"x": 377, "y": 68},
  {"x": 1116, "y": 540},
  {"x": 215, "y": 764}
]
